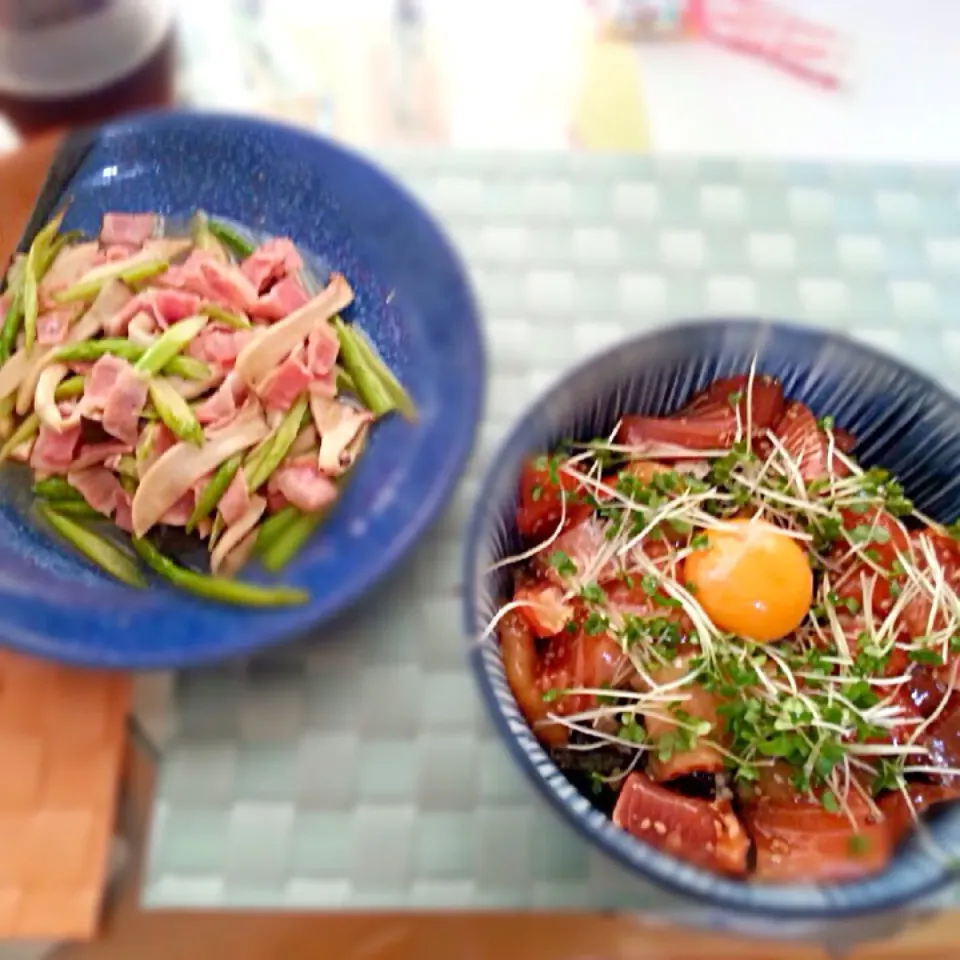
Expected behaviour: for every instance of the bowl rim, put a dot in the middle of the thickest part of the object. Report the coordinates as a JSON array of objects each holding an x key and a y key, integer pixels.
[
  {"x": 642, "y": 859},
  {"x": 436, "y": 496}
]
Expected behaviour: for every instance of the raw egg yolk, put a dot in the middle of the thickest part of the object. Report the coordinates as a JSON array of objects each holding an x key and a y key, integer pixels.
[{"x": 751, "y": 579}]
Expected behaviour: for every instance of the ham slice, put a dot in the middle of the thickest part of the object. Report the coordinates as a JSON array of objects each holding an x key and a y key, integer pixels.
[
  {"x": 94, "y": 454},
  {"x": 285, "y": 297},
  {"x": 235, "y": 536},
  {"x": 302, "y": 483},
  {"x": 113, "y": 297},
  {"x": 271, "y": 261},
  {"x": 221, "y": 407},
  {"x": 220, "y": 345},
  {"x": 340, "y": 428},
  {"x": 322, "y": 349},
  {"x": 99, "y": 487},
  {"x": 258, "y": 359},
  {"x": 227, "y": 285},
  {"x": 99, "y": 382},
  {"x": 53, "y": 449},
  {"x": 52, "y": 326},
  {"x": 179, "y": 513},
  {"x": 165, "y": 307},
  {"x": 124, "y": 404},
  {"x": 236, "y": 501},
  {"x": 184, "y": 464},
  {"x": 131, "y": 229},
  {"x": 281, "y": 387}
]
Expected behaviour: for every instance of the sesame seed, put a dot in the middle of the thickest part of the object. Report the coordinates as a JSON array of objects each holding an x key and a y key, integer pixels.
[
  {"x": 660, "y": 828},
  {"x": 645, "y": 823},
  {"x": 776, "y": 858}
]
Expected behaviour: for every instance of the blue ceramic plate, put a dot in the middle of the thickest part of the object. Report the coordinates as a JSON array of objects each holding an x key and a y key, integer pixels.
[
  {"x": 901, "y": 420},
  {"x": 411, "y": 299}
]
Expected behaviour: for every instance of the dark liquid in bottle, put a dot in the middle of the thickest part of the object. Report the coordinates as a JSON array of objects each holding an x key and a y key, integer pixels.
[{"x": 149, "y": 85}]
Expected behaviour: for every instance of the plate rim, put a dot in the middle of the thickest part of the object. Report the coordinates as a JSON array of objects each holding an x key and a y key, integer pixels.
[
  {"x": 417, "y": 524},
  {"x": 642, "y": 860}
]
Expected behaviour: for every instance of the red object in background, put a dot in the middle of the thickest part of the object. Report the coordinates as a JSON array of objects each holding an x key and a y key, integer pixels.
[
  {"x": 66, "y": 63},
  {"x": 769, "y": 31}
]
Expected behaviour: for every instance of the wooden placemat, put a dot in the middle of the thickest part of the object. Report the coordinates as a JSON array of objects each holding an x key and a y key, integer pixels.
[{"x": 61, "y": 733}]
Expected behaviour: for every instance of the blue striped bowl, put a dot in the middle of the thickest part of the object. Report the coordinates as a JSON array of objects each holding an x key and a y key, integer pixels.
[{"x": 901, "y": 419}]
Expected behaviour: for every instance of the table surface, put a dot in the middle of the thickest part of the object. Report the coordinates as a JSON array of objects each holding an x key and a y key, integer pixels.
[{"x": 905, "y": 72}]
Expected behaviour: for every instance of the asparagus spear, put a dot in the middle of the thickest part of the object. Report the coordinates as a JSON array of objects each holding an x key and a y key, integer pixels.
[
  {"x": 96, "y": 549},
  {"x": 133, "y": 270},
  {"x": 175, "y": 412},
  {"x": 216, "y": 487},
  {"x": 268, "y": 458},
  {"x": 27, "y": 430},
  {"x": 376, "y": 385},
  {"x": 230, "y": 239},
  {"x": 56, "y": 488},
  {"x": 71, "y": 387},
  {"x": 216, "y": 312},
  {"x": 174, "y": 340},
  {"x": 216, "y": 588},
  {"x": 87, "y": 350},
  {"x": 273, "y": 527},
  {"x": 78, "y": 509},
  {"x": 290, "y": 541}
]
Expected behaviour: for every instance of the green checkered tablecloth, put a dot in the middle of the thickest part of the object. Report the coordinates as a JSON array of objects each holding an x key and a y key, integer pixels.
[{"x": 355, "y": 769}]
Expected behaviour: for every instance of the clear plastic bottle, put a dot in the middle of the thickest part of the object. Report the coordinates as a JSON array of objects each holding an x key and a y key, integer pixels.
[{"x": 70, "y": 62}]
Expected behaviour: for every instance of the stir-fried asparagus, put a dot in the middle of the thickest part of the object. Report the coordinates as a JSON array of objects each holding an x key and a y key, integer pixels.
[
  {"x": 98, "y": 550},
  {"x": 217, "y": 588},
  {"x": 53, "y": 383}
]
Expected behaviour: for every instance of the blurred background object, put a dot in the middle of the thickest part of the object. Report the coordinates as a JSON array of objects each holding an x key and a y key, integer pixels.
[{"x": 71, "y": 62}]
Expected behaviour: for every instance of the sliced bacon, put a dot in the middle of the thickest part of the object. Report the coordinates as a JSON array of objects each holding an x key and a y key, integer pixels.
[
  {"x": 282, "y": 299},
  {"x": 53, "y": 325},
  {"x": 222, "y": 405},
  {"x": 53, "y": 451},
  {"x": 236, "y": 500},
  {"x": 801, "y": 842},
  {"x": 340, "y": 428},
  {"x": 123, "y": 517},
  {"x": 304, "y": 484},
  {"x": 272, "y": 260},
  {"x": 117, "y": 252},
  {"x": 94, "y": 454},
  {"x": 227, "y": 285},
  {"x": 705, "y": 833},
  {"x": 100, "y": 382},
  {"x": 281, "y": 387},
  {"x": 124, "y": 404},
  {"x": 544, "y": 607},
  {"x": 322, "y": 349},
  {"x": 165, "y": 307},
  {"x": 127, "y": 228},
  {"x": 99, "y": 487},
  {"x": 219, "y": 345},
  {"x": 179, "y": 513}
]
